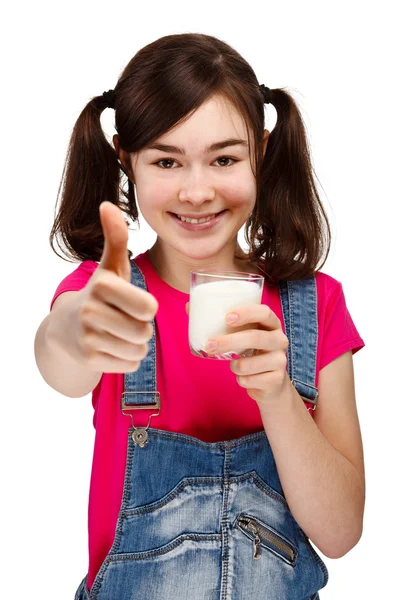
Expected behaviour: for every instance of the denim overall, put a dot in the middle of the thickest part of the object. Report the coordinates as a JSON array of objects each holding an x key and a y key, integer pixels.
[{"x": 209, "y": 521}]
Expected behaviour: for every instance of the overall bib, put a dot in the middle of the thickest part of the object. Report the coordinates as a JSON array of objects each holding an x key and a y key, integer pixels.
[{"x": 209, "y": 520}]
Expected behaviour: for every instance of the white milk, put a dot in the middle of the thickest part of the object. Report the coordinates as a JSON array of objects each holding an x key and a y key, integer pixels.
[{"x": 209, "y": 304}]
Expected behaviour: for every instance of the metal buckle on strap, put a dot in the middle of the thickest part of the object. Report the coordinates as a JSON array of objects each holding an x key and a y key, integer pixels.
[
  {"x": 140, "y": 435},
  {"x": 313, "y": 401}
]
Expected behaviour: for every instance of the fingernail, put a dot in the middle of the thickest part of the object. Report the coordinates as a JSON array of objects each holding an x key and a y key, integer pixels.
[
  {"x": 231, "y": 317},
  {"x": 211, "y": 345}
]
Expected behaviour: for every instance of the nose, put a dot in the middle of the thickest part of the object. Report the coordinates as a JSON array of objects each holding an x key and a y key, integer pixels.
[{"x": 196, "y": 189}]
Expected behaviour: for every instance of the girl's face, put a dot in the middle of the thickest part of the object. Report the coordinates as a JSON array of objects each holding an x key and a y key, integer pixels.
[{"x": 193, "y": 180}]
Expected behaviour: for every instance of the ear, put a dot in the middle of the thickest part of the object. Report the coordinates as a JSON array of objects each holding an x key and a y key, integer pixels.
[
  {"x": 123, "y": 157},
  {"x": 116, "y": 143},
  {"x": 265, "y": 140}
]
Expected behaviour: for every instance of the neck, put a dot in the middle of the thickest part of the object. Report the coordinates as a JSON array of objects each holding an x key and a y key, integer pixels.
[{"x": 174, "y": 268}]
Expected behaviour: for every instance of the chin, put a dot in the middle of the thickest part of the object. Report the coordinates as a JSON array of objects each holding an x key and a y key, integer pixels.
[{"x": 201, "y": 254}]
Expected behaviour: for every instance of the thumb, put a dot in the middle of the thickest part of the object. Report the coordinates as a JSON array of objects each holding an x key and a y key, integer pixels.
[{"x": 115, "y": 230}]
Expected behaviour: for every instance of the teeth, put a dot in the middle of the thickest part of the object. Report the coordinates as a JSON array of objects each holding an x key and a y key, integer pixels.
[{"x": 196, "y": 220}]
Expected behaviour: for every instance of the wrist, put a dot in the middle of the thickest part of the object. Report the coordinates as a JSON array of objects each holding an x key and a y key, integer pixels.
[{"x": 282, "y": 401}]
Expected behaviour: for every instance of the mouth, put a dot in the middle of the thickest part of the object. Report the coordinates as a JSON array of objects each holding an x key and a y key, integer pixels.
[{"x": 199, "y": 226}]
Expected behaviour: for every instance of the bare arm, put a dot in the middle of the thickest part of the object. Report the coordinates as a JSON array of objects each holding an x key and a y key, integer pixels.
[
  {"x": 102, "y": 328},
  {"x": 62, "y": 372},
  {"x": 320, "y": 461}
]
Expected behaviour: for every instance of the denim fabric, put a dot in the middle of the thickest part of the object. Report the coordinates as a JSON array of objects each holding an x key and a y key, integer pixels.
[{"x": 209, "y": 521}]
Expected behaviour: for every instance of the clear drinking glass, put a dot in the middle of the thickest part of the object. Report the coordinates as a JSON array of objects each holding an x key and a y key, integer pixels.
[{"x": 212, "y": 295}]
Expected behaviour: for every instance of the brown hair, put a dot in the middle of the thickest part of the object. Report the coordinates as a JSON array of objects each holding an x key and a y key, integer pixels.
[{"x": 285, "y": 232}]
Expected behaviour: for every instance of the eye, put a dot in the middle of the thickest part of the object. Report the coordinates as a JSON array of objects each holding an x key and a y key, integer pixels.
[
  {"x": 227, "y": 158},
  {"x": 164, "y": 160},
  {"x": 170, "y": 160}
]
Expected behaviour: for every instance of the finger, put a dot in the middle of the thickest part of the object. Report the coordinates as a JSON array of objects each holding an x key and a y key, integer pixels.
[
  {"x": 129, "y": 299},
  {"x": 256, "y": 313},
  {"x": 258, "y": 363},
  {"x": 258, "y": 339},
  {"x": 106, "y": 343},
  {"x": 105, "y": 318},
  {"x": 115, "y": 230}
]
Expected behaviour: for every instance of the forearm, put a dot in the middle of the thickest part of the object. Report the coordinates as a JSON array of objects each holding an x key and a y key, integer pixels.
[{"x": 322, "y": 488}]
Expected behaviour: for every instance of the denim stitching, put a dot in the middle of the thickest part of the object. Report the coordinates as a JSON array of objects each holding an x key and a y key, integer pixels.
[
  {"x": 164, "y": 549},
  {"x": 224, "y": 522},
  {"x": 223, "y": 445}
]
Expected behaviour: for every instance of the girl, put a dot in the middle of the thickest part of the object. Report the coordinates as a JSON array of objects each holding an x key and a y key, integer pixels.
[{"x": 245, "y": 461}]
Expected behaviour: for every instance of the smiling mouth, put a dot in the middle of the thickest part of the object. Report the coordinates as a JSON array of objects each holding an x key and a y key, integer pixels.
[
  {"x": 207, "y": 224},
  {"x": 199, "y": 221}
]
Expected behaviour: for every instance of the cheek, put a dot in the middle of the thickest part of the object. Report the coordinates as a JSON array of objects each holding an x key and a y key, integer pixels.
[
  {"x": 241, "y": 195},
  {"x": 151, "y": 197},
  {"x": 153, "y": 194}
]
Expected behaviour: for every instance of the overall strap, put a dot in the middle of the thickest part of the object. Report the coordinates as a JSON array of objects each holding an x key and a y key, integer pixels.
[
  {"x": 140, "y": 386},
  {"x": 300, "y": 315}
]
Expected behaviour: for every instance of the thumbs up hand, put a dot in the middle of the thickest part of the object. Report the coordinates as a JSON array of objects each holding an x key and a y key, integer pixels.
[{"x": 112, "y": 325}]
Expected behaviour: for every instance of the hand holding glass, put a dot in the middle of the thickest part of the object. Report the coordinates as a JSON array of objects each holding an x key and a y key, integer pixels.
[{"x": 212, "y": 295}]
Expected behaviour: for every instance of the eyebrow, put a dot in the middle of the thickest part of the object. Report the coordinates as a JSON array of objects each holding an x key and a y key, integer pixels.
[{"x": 212, "y": 148}]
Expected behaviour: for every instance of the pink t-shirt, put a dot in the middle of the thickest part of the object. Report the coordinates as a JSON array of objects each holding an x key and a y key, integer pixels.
[{"x": 189, "y": 403}]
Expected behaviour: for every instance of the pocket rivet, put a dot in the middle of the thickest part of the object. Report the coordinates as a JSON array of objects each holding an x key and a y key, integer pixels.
[{"x": 140, "y": 437}]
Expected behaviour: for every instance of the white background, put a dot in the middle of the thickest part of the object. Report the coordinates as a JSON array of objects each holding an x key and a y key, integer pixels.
[{"x": 338, "y": 60}]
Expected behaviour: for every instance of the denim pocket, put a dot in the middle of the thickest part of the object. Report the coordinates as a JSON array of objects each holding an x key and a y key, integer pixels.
[
  {"x": 264, "y": 536},
  {"x": 189, "y": 567},
  {"x": 162, "y": 542}
]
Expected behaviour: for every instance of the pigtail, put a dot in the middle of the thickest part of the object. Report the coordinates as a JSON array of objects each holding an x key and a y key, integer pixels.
[
  {"x": 91, "y": 175},
  {"x": 288, "y": 231}
]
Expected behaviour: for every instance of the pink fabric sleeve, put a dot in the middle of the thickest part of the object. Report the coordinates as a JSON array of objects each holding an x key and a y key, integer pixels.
[
  {"x": 76, "y": 280},
  {"x": 339, "y": 332}
]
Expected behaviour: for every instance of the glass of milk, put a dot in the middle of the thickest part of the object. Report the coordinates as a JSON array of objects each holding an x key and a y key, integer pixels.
[{"x": 212, "y": 295}]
